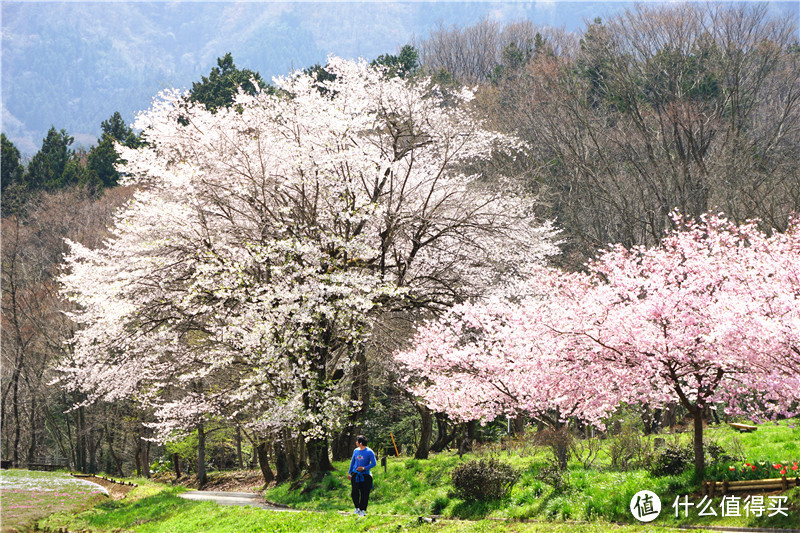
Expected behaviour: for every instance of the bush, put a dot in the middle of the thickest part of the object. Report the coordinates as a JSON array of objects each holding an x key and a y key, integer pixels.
[
  {"x": 162, "y": 466},
  {"x": 717, "y": 454},
  {"x": 672, "y": 460},
  {"x": 484, "y": 480},
  {"x": 629, "y": 451}
]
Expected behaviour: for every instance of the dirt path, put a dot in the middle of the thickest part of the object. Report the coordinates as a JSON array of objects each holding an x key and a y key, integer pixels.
[
  {"x": 116, "y": 491},
  {"x": 233, "y": 498}
]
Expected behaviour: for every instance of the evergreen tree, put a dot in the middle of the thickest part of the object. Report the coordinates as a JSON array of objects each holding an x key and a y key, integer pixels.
[
  {"x": 103, "y": 157},
  {"x": 46, "y": 169},
  {"x": 403, "y": 65},
  {"x": 13, "y": 178},
  {"x": 12, "y": 170},
  {"x": 220, "y": 87},
  {"x": 116, "y": 129}
]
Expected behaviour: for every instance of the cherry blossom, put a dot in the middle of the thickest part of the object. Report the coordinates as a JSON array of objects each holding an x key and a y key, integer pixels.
[
  {"x": 265, "y": 237},
  {"x": 708, "y": 316}
]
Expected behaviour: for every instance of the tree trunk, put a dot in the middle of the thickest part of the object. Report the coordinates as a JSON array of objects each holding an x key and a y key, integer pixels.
[
  {"x": 281, "y": 462},
  {"x": 651, "y": 420},
  {"x": 291, "y": 454},
  {"x": 15, "y": 407},
  {"x": 137, "y": 456},
  {"x": 318, "y": 460},
  {"x": 468, "y": 436},
  {"x": 32, "y": 447},
  {"x": 176, "y": 464},
  {"x": 699, "y": 455},
  {"x": 426, "y": 430},
  {"x": 445, "y": 437},
  {"x": 202, "y": 477},
  {"x": 263, "y": 462},
  {"x": 518, "y": 426},
  {"x": 114, "y": 457},
  {"x": 441, "y": 432},
  {"x": 146, "y": 458},
  {"x": 240, "y": 461},
  {"x": 73, "y": 459},
  {"x": 668, "y": 418},
  {"x": 80, "y": 437},
  {"x": 93, "y": 446}
]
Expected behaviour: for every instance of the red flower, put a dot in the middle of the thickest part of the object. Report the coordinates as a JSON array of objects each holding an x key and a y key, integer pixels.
[
  {"x": 731, "y": 468},
  {"x": 747, "y": 464},
  {"x": 777, "y": 466},
  {"x": 794, "y": 467},
  {"x": 754, "y": 467}
]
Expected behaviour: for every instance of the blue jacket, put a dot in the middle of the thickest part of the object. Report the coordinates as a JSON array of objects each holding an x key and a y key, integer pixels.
[{"x": 365, "y": 458}]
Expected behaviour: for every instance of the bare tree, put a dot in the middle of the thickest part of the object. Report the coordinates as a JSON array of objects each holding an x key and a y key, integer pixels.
[
  {"x": 682, "y": 107},
  {"x": 34, "y": 328},
  {"x": 472, "y": 54}
]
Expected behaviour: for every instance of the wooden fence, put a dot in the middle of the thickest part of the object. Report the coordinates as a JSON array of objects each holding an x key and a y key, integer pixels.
[
  {"x": 110, "y": 480},
  {"x": 712, "y": 488}
]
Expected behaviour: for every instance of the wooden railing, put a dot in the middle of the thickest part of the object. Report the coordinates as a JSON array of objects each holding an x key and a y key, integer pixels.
[
  {"x": 712, "y": 488},
  {"x": 110, "y": 480},
  {"x": 48, "y": 463}
]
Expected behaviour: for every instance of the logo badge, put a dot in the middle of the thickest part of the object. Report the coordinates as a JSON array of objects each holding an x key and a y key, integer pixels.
[{"x": 645, "y": 506}]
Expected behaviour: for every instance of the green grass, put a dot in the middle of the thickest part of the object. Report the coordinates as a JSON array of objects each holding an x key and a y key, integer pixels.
[
  {"x": 412, "y": 487},
  {"x": 589, "y": 500},
  {"x": 154, "y": 509}
]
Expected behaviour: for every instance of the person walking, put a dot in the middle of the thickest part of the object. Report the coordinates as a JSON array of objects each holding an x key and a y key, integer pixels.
[{"x": 360, "y": 476}]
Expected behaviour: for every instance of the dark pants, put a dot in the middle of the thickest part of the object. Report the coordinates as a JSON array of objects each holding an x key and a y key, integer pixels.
[{"x": 360, "y": 492}]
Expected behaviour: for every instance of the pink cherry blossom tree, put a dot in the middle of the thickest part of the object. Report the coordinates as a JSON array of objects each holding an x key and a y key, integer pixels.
[
  {"x": 710, "y": 315},
  {"x": 691, "y": 319},
  {"x": 511, "y": 355},
  {"x": 247, "y": 272}
]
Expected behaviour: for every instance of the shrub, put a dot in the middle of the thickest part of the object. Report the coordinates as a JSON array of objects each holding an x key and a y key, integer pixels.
[
  {"x": 672, "y": 460},
  {"x": 559, "y": 441},
  {"x": 629, "y": 451},
  {"x": 553, "y": 476},
  {"x": 162, "y": 466},
  {"x": 484, "y": 480},
  {"x": 718, "y": 454}
]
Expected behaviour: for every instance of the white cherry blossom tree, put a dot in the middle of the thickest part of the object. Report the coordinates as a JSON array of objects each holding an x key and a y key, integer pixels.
[{"x": 247, "y": 271}]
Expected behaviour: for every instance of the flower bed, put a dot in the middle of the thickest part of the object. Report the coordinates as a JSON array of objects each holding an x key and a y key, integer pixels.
[
  {"x": 757, "y": 470},
  {"x": 28, "y": 496}
]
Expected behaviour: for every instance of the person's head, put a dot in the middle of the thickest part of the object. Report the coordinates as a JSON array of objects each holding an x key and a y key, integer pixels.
[{"x": 361, "y": 440}]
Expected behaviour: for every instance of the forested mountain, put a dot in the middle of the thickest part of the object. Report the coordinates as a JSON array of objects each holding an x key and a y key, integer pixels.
[{"x": 72, "y": 64}]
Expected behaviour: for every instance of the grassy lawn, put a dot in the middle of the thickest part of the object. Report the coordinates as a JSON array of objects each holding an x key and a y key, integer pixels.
[
  {"x": 413, "y": 487},
  {"x": 27, "y": 496},
  {"x": 152, "y": 508},
  {"x": 587, "y": 500}
]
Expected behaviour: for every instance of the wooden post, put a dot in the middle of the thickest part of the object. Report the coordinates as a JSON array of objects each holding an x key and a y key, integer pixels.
[{"x": 383, "y": 464}]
